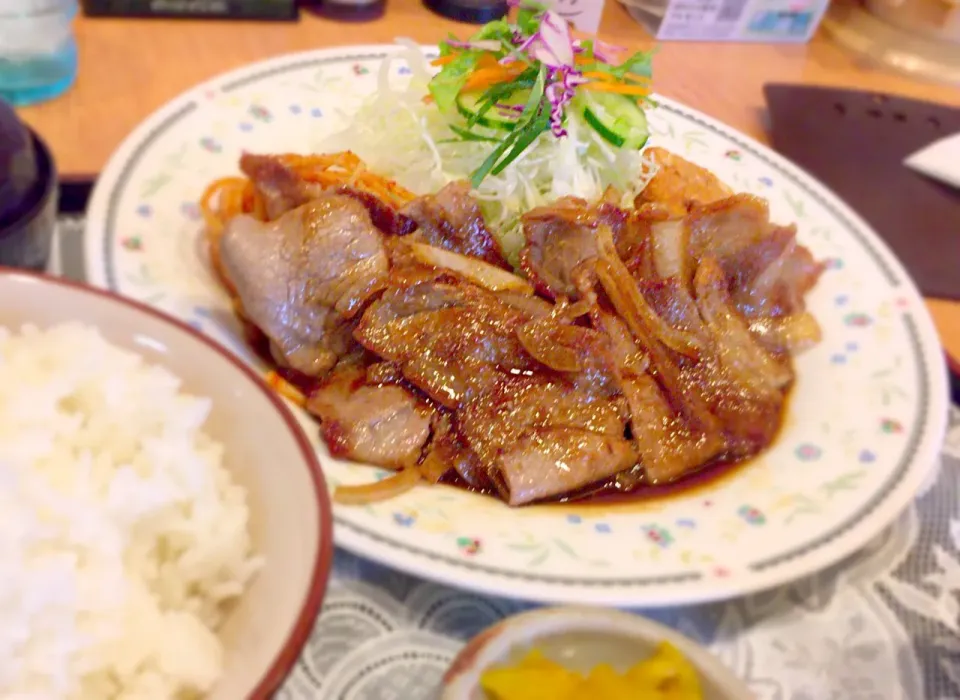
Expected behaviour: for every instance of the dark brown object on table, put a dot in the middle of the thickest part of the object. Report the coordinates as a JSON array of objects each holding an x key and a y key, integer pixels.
[
  {"x": 346, "y": 10},
  {"x": 27, "y": 225},
  {"x": 855, "y": 143},
  {"x": 469, "y": 11},
  {"x": 204, "y": 9}
]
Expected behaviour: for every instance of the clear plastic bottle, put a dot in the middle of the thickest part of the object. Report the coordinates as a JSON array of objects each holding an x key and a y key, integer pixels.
[{"x": 38, "y": 52}]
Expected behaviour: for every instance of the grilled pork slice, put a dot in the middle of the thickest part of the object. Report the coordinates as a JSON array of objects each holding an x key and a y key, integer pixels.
[
  {"x": 450, "y": 339},
  {"x": 383, "y": 424},
  {"x": 302, "y": 278},
  {"x": 451, "y": 219},
  {"x": 561, "y": 236},
  {"x": 541, "y": 437},
  {"x": 724, "y": 402},
  {"x": 671, "y": 438},
  {"x": 280, "y": 187},
  {"x": 448, "y": 451},
  {"x": 767, "y": 271},
  {"x": 282, "y": 190},
  {"x": 462, "y": 347}
]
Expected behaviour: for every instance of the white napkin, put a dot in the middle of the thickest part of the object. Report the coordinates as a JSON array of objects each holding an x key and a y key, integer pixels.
[{"x": 940, "y": 160}]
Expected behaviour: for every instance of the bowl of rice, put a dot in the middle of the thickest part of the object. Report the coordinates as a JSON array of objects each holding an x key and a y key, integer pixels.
[{"x": 165, "y": 528}]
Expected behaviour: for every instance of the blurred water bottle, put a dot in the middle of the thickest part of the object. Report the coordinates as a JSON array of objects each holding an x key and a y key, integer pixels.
[{"x": 38, "y": 52}]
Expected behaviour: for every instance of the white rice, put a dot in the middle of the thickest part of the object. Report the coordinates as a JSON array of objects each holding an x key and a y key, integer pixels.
[{"x": 122, "y": 536}]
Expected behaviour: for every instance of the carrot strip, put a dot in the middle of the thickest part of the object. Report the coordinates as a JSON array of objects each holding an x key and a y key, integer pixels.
[
  {"x": 484, "y": 77},
  {"x": 444, "y": 60},
  {"x": 488, "y": 61},
  {"x": 608, "y": 78},
  {"x": 599, "y": 75}
]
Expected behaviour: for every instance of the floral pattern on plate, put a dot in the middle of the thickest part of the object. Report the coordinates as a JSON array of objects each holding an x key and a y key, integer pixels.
[
  {"x": 864, "y": 423},
  {"x": 882, "y": 625}
]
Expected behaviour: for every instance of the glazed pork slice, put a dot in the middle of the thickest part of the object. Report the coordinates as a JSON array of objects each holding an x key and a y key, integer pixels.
[
  {"x": 383, "y": 424},
  {"x": 671, "y": 438},
  {"x": 282, "y": 190},
  {"x": 539, "y": 432},
  {"x": 448, "y": 452},
  {"x": 541, "y": 437},
  {"x": 450, "y": 339},
  {"x": 561, "y": 236},
  {"x": 767, "y": 270},
  {"x": 451, "y": 219},
  {"x": 302, "y": 278},
  {"x": 768, "y": 273}
]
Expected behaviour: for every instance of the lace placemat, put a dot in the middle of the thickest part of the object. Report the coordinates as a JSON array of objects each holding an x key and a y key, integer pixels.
[{"x": 882, "y": 625}]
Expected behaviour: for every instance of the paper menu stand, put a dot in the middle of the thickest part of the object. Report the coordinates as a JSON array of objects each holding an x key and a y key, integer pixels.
[{"x": 760, "y": 21}]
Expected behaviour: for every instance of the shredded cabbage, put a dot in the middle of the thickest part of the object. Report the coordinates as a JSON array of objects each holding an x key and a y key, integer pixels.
[{"x": 400, "y": 136}]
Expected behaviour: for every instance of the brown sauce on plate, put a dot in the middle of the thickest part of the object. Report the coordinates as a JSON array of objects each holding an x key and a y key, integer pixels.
[
  {"x": 619, "y": 489},
  {"x": 612, "y": 493}
]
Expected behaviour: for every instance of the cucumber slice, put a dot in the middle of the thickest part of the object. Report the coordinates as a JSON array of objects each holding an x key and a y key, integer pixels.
[
  {"x": 469, "y": 107},
  {"x": 617, "y": 118}
]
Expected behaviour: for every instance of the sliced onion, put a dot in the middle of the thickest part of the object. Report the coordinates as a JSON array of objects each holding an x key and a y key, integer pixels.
[
  {"x": 791, "y": 334},
  {"x": 670, "y": 250},
  {"x": 433, "y": 467},
  {"x": 738, "y": 351},
  {"x": 631, "y": 304},
  {"x": 383, "y": 490},
  {"x": 548, "y": 343},
  {"x": 482, "y": 273},
  {"x": 565, "y": 311},
  {"x": 286, "y": 389}
]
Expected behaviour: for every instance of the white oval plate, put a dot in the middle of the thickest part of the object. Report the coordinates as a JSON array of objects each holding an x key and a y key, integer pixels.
[{"x": 862, "y": 432}]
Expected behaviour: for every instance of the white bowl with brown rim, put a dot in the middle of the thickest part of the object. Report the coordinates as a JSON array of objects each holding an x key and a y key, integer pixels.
[
  {"x": 581, "y": 638},
  {"x": 265, "y": 450}
]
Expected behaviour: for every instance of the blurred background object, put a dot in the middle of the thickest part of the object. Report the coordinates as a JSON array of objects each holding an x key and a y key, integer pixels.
[
  {"x": 855, "y": 142},
  {"x": 346, "y": 10},
  {"x": 469, "y": 11},
  {"x": 18, "y": 162},
  {"x": 194, "y": 9},
  {"x": 28, "y": 194},
  {"x": 917, "y": 37},
  {"x": 38, "y": 53},
  {"x": 772, "y": 21}
]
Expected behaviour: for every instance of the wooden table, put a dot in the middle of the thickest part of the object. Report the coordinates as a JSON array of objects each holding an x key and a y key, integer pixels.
[{"x": 128, "y": 68}]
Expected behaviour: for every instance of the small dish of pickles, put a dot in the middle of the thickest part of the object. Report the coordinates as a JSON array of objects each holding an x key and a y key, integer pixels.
[{"x": 579, "y": 653}]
